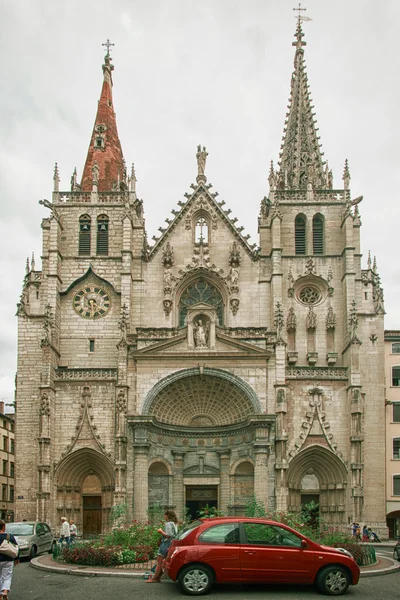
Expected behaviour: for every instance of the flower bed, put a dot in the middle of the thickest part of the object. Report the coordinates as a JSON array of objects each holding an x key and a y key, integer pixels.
[{"x": 97, "y": 554}]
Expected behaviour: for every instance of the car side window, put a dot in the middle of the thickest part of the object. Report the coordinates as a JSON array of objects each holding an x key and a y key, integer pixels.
[
  {"x": 46, "y": 528},
  {"x": 270, "y": 535},
  {"x": 226, "y": 533},
  {"x": 39, "y": 528}
]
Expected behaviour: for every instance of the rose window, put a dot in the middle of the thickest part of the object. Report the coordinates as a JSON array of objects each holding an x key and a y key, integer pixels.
[{"x": 309, "y": 295}]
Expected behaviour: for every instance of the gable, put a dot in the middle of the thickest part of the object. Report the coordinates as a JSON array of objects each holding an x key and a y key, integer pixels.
[{"x": 202, "y": 203}]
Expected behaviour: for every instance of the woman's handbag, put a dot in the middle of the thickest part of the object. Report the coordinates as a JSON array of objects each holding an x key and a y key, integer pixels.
[{"x": 8, "y": 548}]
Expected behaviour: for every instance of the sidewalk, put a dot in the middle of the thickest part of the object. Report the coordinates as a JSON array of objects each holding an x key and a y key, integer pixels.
[{"x": 46, "y": 562}]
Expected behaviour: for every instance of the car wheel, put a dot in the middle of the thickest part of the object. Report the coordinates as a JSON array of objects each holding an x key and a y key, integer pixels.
[
  {"x": 196, "y": 580},
  {"x": 396, "y": 554},
  {"x": 333, "y": 580},
  {"x": 51, "y": 549},
  {"x": 33, "y": 552}
]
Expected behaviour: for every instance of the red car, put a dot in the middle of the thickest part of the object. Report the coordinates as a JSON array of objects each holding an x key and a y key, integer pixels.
[{"x": 246, "y": 550}]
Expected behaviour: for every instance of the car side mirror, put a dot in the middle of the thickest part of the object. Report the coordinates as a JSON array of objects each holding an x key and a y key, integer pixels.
[{"x": 303, "y": 544}]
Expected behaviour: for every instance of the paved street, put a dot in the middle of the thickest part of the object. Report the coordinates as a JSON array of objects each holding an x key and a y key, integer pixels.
[{"x": 31, "y": 584}]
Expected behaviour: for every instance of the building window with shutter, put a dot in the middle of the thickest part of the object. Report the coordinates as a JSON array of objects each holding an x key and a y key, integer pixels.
[
  {"x": 102, "y": 235},
  {"x": 396, "y": 448},
  {"x": 300, "y": 235},
  {"x": 84, "y": 235},
  {"x": 318, "y": 235},
  {"x": 396, "y": 348},
  {"x": 396, "y": 485},
  {"x": 395, "y": 376}
]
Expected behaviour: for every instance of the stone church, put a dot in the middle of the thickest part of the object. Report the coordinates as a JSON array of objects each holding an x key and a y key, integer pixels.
[{"x": 200, "y": 369}]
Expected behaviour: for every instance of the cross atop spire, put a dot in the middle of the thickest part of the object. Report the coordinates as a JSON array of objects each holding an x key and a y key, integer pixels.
[
  {"x": 299, "y": 8},
  {"x": 108, "y": 44}
]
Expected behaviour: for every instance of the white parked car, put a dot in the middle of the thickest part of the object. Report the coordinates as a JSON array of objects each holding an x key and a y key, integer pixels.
[{"x": 33, "y": 537}]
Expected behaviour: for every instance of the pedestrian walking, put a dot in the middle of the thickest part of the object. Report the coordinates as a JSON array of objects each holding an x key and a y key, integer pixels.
[
  {"x": 73, "y": 532},
  {"x": 64, "y": 531},
  {"x": 168, "y": 533},
  {"x": 6, "y": 563},
  {"x": 365, "y": 535}
]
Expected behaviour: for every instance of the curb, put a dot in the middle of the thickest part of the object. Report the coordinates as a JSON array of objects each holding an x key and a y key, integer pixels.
[
  {"x": 395, "y": 566},
  {"x": 86, "y": 572},
  {"x": 82, "y": 571}
]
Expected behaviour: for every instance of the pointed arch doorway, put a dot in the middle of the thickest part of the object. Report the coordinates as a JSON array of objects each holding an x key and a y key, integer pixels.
[{"x": 85, "y": 486}]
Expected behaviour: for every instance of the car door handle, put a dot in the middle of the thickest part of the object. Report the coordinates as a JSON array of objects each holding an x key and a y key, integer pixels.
[{"x": 249, "y": 551}]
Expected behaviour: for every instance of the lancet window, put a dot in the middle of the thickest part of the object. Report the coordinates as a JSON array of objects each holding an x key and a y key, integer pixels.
[
  {"x": 318, "y": 235},
  {"x": 300, "y": 235},
  {"x": 201, "y": 231},
  {"x": 102, "y": 235},
  {"x": 84, "y": 235},
  {"x": 198, "y": 291}
]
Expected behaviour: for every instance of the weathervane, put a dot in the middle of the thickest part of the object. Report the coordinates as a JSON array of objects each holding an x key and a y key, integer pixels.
[
  {"x": 301, "y": 17},
  {"x": 108, "y": 44}
]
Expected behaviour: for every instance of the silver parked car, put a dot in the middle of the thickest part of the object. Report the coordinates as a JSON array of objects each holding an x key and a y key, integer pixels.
[{"x": 32, "y": 537}]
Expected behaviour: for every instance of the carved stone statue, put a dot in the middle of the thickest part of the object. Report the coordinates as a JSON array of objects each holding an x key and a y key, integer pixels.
[
  {"x": 201, "y": 159},
  {"x": 233, "y": 276},
  {"x": 95, "y": 173},
  {"x": 167, "y": 278},
  {"x": 200, "y": 334}
]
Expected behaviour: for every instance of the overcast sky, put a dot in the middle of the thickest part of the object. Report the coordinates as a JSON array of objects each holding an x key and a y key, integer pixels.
[{"x": 210, "y": 72}]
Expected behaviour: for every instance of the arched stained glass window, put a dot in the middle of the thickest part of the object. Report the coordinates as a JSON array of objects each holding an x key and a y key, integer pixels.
[{"x": 201, "y": 290}]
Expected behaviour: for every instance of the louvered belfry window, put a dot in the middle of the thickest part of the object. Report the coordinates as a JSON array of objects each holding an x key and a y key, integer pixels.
[
  {"x": 318, "y": 235},
  {"x": 300, "y": 235},
  {"x": 84, "y": 236},
  {"x": 102, "y": 235}
]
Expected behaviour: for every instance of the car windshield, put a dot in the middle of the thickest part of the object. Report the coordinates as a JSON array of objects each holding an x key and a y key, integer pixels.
[
  {"x": 19, "y": 528},
  {"x": 182, "y": 534}
]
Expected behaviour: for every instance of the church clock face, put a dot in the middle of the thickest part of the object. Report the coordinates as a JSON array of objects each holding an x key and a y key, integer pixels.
[{"x": 91, "y": 302}]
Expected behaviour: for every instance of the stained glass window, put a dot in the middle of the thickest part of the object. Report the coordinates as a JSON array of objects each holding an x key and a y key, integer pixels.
[{"x": 201, "y": 291}]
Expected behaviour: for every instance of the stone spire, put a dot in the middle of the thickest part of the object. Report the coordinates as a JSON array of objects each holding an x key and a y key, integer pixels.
[
  {"x": 105, "y": 147},
  {"x": 300, "y": 157}
]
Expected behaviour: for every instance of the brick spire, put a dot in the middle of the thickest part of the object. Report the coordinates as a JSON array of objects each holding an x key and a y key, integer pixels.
[
  {"x": 105, "y": 147},
  {"x": 300, "y": 157}
]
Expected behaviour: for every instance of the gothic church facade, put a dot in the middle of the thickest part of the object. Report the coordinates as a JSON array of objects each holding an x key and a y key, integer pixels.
[{"x": 200, "y": 369}]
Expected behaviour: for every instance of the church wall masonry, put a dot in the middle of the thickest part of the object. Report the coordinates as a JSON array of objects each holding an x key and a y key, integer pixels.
[{"x": 196, "y": 367}]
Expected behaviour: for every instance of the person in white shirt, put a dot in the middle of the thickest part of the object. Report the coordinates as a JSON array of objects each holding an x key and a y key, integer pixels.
[
  {"x": 73, "y": 531},
  {"x": 64, "y": 531}
]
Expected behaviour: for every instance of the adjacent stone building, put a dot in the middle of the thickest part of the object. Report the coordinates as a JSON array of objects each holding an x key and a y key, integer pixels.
[{"x": 201, "y": 369}]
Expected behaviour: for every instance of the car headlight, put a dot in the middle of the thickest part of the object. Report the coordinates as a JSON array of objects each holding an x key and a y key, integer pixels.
[
  {"x": 174, "y": 551},
  {"x": 346, "y": 552},
  {"x": 23, "y": 542}
]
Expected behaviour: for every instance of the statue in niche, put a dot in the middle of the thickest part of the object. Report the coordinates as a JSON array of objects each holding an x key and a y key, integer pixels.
[
  {"x": 281, "y": 396},
  {"x": 95, "y": 173},
  {"x": 167, "y": 278},
  {"x": 200, "y": 333},
  {"x": 233, "y": 276}
]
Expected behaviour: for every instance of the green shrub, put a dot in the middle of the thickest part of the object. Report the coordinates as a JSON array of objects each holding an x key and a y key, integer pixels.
[{"x": 137, "y": 533}]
